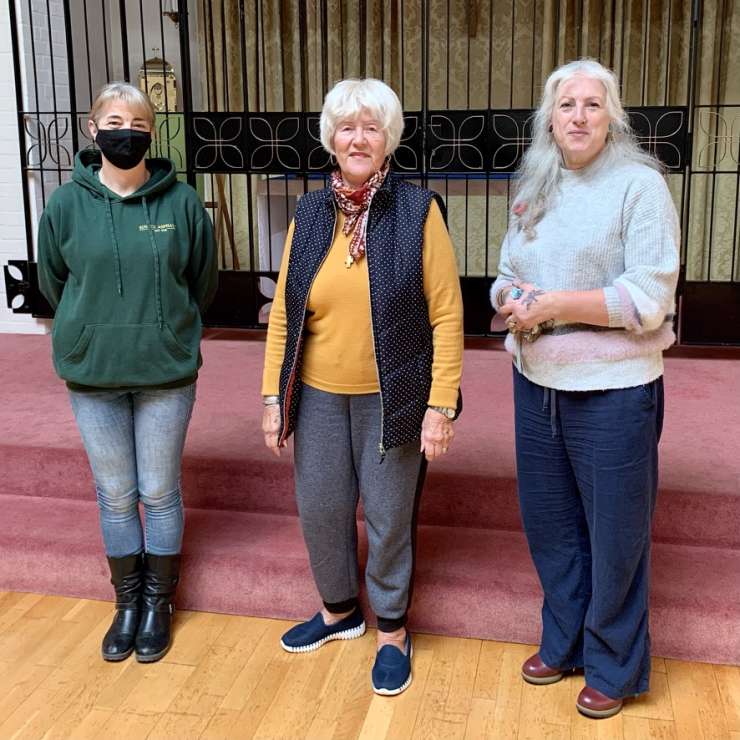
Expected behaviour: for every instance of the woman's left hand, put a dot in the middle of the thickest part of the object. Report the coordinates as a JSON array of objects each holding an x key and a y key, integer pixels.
[
  {"x": 534, "y": 306},
  {"x": 437, "y": 432}
]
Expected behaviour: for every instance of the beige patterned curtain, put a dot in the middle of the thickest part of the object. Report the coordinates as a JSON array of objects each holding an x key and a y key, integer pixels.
[{"x": 488, "y": 53}]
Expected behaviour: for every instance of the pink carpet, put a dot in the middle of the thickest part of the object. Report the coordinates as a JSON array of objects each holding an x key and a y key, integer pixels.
[{"x": 243, "y": 549}]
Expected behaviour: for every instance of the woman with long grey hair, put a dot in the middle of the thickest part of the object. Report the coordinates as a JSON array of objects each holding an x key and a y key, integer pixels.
[{"x": 586, "y": 282}]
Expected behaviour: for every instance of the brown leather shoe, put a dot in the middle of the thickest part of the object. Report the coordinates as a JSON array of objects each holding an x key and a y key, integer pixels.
[
  {"x": 596, "y": 705},
  {"x": 536, "y": 671}
]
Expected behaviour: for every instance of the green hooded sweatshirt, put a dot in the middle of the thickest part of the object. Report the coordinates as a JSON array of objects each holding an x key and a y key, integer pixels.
[{"x": 129, "y": 278}]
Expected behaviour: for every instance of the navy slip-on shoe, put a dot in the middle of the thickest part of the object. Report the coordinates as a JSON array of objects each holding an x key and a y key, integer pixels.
[
  {"x": 392, "y": 670},
  {"x": 313, "y": 634}
]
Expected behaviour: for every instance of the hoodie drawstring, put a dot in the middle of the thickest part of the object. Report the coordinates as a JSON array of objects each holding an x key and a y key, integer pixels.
[
  {"x": 550, "y": 398},
  {"x": 116, "y": 252},
  {"x": 155, "y": 251}
]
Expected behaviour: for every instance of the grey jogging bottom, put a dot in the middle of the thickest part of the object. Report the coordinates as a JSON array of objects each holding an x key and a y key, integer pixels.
[{"x": 337, "y": 460}]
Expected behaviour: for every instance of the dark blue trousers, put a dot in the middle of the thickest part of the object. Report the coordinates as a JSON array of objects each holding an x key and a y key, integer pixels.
[{"x": 587, "y": 466}]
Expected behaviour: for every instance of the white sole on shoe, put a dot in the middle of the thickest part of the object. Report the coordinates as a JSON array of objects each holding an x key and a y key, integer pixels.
[
  {"x": 349, "y": 634},
  {"x": 543, "y": 680},
  {"x": 599, "y": 713},
  {"x": 396, "y": 692}
]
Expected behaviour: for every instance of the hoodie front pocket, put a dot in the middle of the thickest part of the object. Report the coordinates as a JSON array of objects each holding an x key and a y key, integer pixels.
[
  {"x": 116, "y": 355},
  {"x": 80, "y": 346}
]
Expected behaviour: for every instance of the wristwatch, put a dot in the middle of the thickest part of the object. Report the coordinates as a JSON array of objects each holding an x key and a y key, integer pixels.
[{"x": 445, "y": 411}]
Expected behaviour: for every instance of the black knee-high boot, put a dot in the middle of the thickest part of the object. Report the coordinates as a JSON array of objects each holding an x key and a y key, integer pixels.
[
  {"x": 126, "y": 577},
  {"x": 161, "y": 574}
]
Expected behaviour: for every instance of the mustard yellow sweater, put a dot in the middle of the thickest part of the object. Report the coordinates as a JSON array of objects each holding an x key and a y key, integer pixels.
[{"x": 338, "y": 354}]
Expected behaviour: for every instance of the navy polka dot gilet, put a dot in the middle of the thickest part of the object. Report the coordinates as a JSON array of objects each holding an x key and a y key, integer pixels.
[{"x": 400, "y": 320}]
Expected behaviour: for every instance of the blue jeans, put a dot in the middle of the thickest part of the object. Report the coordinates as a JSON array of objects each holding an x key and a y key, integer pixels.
[
  {"x": 587, "y": 468},
  {"x": 134, "y": 442}
]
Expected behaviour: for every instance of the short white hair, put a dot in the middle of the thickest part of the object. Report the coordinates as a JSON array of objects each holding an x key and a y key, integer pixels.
[
  {"x": 126, "y": 93},
  {"x": 539, "y": 172},
  {"x": 346, "y": 101}
]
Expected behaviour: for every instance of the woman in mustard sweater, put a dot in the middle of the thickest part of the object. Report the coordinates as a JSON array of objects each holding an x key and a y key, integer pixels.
[{"x": 363, "y": 362}]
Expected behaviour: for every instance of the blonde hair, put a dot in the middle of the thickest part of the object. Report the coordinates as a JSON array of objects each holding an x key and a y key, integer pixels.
[
  {"x": 348, "y": 98},
  {"x": 126, "y": 93},
  {"x": 539, "y": 172}
]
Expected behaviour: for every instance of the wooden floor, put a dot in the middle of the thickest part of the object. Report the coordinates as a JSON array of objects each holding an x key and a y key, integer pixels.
[{"x": 226, "y": 677}]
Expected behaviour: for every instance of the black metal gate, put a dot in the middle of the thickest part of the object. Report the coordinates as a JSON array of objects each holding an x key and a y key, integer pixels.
[{"x": 239, "y": 83}]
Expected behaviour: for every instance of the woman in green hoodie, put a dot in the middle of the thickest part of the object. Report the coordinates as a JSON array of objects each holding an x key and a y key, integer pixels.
[{"x": 127, "y": 260}]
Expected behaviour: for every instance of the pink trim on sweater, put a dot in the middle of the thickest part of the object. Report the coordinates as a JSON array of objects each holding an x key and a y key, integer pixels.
[
  {"x": 594, "y": 346},
  {"x": 632, "y": 321}
]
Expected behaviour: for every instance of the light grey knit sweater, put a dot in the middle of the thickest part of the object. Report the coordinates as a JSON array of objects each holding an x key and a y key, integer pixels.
[{"x": 614, "y": 228}]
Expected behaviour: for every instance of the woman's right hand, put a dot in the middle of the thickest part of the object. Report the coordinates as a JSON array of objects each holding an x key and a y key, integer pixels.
[{"x": 271, "y": 427}]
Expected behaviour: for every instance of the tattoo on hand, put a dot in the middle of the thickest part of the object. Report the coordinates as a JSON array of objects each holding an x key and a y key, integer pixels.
[{"x": 531, "y": 297}]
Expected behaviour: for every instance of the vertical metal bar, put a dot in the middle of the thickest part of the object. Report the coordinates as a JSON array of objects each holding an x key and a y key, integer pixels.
[
  {"x": 718, "y": 68},
  {"x": 324, "y": 24},
  {"x": 207, "y": 54},
  {"x": 362, "y": 19},
  {"x": 164, "y": 77},
  {"x": 257, "y": 67},
  {"x": 696, "y": 11},
  {"x": 534, "y": 35},
  {"x": 341, "y": 36},
  {"x": 224, "y": 61},
  {"x": 21, "y": 128},
  {"x": 613, "y": 50},
  {"x": 264, "y": 59},
  {"x": 382, "y": 40},
  {"x": 71, "y": 74},
  {"x": 87, "y": 51},
  {"x": 486, "y": 234},
  {"x": 245, "y": 87},
  {"x": 303, "y": 54},
  {"x": 105, "y": 41},
  {"x": 666, "y": 94},
  {"x": 143, "y": 45},
  {"x": 243, "y": 55},
  {"x": 621, "y": 48},
  {"x": 53, "y": 90},
  {"x": 281, "y": 33},
  {"x": 425, "y": 88},
  {"x": 37, "y": 106},
  {"x": 447, "y": 67},
  {"x": 187, "y": 82},
  {"x": 511, "y": 59},
  {"x": 403, "y": 58},
  {"x": 735, "y": 225},
  {"x": 644, "y": 54},
  {"x": 124, "y": 39}
]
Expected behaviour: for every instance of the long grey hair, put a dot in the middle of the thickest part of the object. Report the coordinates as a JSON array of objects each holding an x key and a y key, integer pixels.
[{"x": 539, "y": 172}]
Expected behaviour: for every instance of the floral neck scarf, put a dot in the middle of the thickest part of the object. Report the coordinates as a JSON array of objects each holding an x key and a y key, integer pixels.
[{"x": 355, "y": 205}]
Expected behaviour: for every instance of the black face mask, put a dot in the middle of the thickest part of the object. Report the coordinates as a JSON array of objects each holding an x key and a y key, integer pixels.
[{"x": 123, "y": 147}]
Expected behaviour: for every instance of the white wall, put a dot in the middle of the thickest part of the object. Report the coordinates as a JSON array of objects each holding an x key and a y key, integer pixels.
[{"x": 12, "y": 221}]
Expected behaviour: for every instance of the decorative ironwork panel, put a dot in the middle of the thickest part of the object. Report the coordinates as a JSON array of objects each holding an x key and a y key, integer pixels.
[
  {"x": 317, "y": 158},
  {"x": 276, "y": 143},
  {"x": 219, "y": 142},
  {"x": 716, "y": 138},
  {"x": 409, "y": 156},
  {"x": 663, "y": 132},
  {"x": 457, "y": 141},
  {"x": 511, "y": 134}
]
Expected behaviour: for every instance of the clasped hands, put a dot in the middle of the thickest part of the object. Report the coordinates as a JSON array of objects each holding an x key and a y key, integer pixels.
[{"x": 528, "y": 309}]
